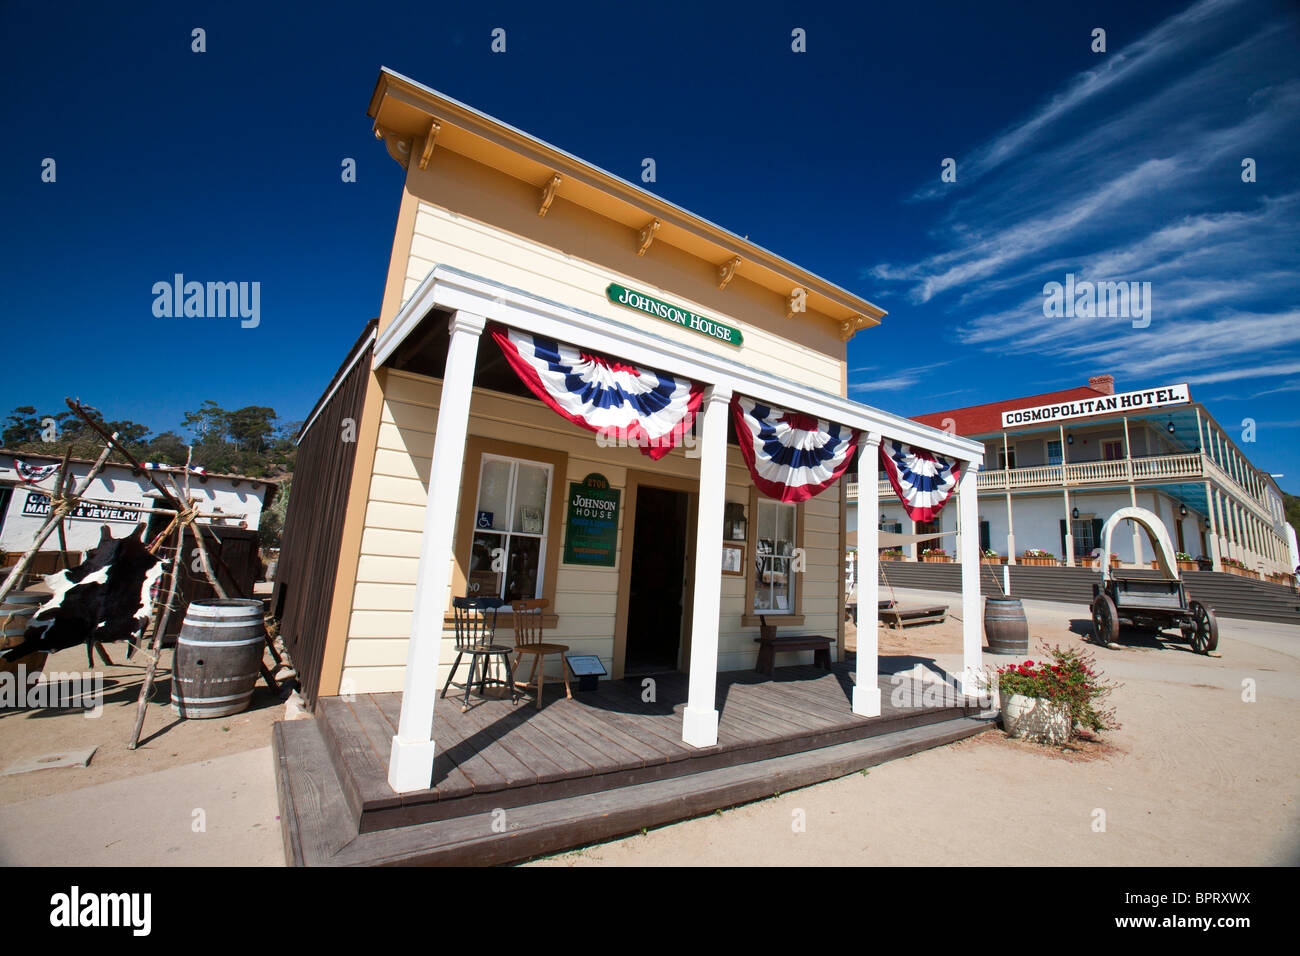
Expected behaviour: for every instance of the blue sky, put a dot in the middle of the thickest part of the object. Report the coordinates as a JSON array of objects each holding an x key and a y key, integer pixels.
[{"x": 1121, "y": 166}]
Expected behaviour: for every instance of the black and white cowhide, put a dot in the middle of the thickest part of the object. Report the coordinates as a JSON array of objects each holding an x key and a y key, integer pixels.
[{"x": 106, "y": 598}]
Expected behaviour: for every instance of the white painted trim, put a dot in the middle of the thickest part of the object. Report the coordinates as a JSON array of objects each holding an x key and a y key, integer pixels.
[{"x": 453, "y": 290}]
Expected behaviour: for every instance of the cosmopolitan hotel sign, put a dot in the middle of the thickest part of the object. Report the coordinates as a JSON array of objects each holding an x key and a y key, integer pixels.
[{"x": 1102, "y": 405}]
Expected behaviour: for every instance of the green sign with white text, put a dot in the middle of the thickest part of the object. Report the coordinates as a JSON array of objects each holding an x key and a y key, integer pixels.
[
  {"x": 676, "y": 314},
  {"x": 591, "y": 536}
]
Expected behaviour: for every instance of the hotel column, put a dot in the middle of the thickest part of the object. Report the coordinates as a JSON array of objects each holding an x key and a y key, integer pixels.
[
  {"x": 1065, "y": 490},
  {"x": 700, "y": 719},
  {"x": 972, "y": 678},
  {"x": 410, "y": 765},
  {"x": 1006, "y": 474},
  {"x": 1215, "y": 557},
  {"x": 866, "y": 691},
  {"x": 1133, "y": 499}
]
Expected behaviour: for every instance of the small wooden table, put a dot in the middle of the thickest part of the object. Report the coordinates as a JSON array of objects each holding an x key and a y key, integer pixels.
[{"x": 769, "y": 646}]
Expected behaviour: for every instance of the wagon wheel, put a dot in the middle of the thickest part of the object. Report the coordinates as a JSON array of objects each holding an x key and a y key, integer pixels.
[
  {"x": 1206, "y": 637},
  {"x": 1105, "y": 619}
]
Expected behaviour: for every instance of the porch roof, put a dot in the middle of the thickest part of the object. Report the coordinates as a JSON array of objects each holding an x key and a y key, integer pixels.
[{"x": 452, "y": 289}]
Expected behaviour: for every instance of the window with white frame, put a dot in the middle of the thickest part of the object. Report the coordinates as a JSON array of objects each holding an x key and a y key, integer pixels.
[
  {"x": 510, "y": 532},
  {"x": 1054, "y": 452},
  {"x": 773, "y": 557}
]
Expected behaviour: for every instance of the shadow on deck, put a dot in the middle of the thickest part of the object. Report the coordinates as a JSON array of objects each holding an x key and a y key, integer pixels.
[{"x": 512, "y": 781}]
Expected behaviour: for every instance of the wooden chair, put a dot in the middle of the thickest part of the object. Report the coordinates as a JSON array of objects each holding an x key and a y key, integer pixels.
[
  {"x": 528, "y": 640},
  {"x": 476, "y": 623}
]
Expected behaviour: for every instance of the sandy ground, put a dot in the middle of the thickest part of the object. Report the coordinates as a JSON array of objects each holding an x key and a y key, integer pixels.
[
  {"x": 1196, "y": 776},
  {"x": 166, "y": 740}
]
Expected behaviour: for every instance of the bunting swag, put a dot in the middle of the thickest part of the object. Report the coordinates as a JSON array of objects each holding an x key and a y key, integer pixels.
[
  {"x": 923, "y": 482},
  {"x": 31, "y": 474},
  {"x": 634, "y": 406},
  {"x": 792, "y": 457}
]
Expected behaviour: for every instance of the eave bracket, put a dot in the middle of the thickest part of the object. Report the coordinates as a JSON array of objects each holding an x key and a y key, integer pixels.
[
  {"x": 548, "y": 194},
  {"x": 727, "y": 271},
  {"x": 429, "y": 140},
  {"x": 648, "y": 235}
]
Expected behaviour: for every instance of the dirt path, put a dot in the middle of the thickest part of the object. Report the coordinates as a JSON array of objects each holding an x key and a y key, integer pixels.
[{"x": 1196, "y": 776}]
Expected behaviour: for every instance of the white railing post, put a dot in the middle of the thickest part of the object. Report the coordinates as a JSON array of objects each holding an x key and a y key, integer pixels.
[
  {"x": 866, "y": 690},
  {"x": 700, "y": 718},
  {"x": 972, "y": 678},
  {"x": 410, "y": 765}
]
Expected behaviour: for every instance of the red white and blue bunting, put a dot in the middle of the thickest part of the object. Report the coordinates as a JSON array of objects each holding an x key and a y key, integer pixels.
[
  {"x": 638, "y": 407},
  {"x": 31, "y": 474},
  {"x": 791, "y": 456},
  {"x": 923, "y": 481}
]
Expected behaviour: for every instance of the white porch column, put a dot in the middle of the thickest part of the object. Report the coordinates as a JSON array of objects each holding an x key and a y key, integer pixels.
[
  {"x": 1065, "y": 489},
  {"x": 700, "y": 718},
  {"x": 410, "y": 765},
  {"x": 866, "y": 690},
  {"x": 1214, "y": 555},
  {"x": 1006, "y": 474},
  {"x": 972, "y": 611}
]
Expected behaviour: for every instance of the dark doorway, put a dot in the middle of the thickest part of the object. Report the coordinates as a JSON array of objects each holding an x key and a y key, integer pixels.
[{"x": 657, "y": 587}]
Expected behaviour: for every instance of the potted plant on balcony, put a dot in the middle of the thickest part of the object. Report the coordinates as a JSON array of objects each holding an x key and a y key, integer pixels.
[
  {"x": 1114, "y": 560},
  {"x": 1186, "y": 562},
  {"x": 991, "y": 557},
  {"x": 1052, "y": 702},
  {"x": 935, "y": 556},
  {"x": 891, "y": 554},
  {"x": 1038, "y": 557}
]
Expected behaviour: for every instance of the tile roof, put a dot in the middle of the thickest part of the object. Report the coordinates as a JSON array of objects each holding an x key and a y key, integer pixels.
[{"x": 987, "y": 419}]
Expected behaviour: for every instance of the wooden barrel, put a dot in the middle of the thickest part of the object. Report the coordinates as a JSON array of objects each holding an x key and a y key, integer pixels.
[
  {"x": 1005, "y": 626},
  {"x": 218, "y": 655}
]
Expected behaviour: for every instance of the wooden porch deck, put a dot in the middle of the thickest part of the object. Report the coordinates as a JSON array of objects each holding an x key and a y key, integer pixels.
[{"x": 497, "y": 756}]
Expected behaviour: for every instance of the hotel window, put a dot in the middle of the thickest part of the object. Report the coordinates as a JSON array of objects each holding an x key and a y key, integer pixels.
[
  {"x": 775, "y": 543},
  {"x": 1112, "y": 450},
  {"x": 1006, "y": 458},
  {"x": 511, "y": 516},
  {"x": 1054, "y": 453}
]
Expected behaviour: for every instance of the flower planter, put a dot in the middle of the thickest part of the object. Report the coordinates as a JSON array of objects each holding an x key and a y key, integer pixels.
[
  {"x": 1187, "y": 566},
  {"x": 1036, "y": 718},
  {"x": 1089, "y": 562},
  {"x": 891, "y": 557},
  {"x": 1037, "y": 561},
  {"x": 997, "y": 560},
  {"x": 936, "y": 559}
]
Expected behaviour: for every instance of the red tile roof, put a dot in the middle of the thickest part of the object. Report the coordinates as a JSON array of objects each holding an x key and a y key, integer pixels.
[{"x": 987, "y": 419}]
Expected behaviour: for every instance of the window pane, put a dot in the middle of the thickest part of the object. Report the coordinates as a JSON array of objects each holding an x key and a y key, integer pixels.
[
  {"x": 530, "y": 499},
  {"x": 766, "y": 525},
  {"x": 785, "y": 529},
  {"x": 1053, "y": 452},
  {"x": 522, "y": 568},
  {"x": 483, "y": 581},
  {"x": 493, "y": 495}
]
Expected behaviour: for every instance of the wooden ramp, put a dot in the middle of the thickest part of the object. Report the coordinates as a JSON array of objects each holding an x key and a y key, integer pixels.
[{"x": 513, "y": 782}]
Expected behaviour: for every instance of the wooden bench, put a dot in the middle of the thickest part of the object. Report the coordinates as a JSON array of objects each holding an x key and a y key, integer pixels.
[
  {"x": 904, "y": 615},
  {"x": 769, "y": 644}
]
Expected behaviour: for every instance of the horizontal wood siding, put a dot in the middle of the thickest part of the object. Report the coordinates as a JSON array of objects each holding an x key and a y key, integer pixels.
[
  {"x": 585, "y": 598},
  {"x": 444, "y": 238}
]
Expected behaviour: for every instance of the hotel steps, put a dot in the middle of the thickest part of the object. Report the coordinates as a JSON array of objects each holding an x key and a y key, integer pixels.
[{"x": 1230, "y": 595}]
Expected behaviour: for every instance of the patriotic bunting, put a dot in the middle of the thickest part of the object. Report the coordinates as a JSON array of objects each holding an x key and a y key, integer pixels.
[
  {"x": 792, "y": 457},
  {"x": 923, "y": 481},
  {"x": 31, "y": 474},
  {"x": 638, "y": 407}
]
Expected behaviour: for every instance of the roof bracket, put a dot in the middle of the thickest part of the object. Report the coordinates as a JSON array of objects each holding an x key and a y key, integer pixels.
[
  {"x": 434, "y": 128},
  {"x": 726, "y": 271},
  {"x": 796, "y": 301},
  {"x": 548, "y": 194},
  {"x": 648, "y": 235},
  {"x": 850, "y": 327},
  {"x": 398, "y": 148}
]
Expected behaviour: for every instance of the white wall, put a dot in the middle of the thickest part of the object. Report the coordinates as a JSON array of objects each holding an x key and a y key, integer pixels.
[{"x": 116, "y": 483}]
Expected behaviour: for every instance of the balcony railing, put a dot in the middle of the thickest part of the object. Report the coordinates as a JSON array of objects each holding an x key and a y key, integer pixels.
[{"x": 1155, "y": 468}]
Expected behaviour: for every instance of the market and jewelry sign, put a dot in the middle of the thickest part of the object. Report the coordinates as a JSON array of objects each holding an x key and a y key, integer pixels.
[
  {"x": 676, "y": 314},
  {"x": 38, "y": 505},
  {"x": 592, "y": 526},
  {"x": 1101, "y": 405}
]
